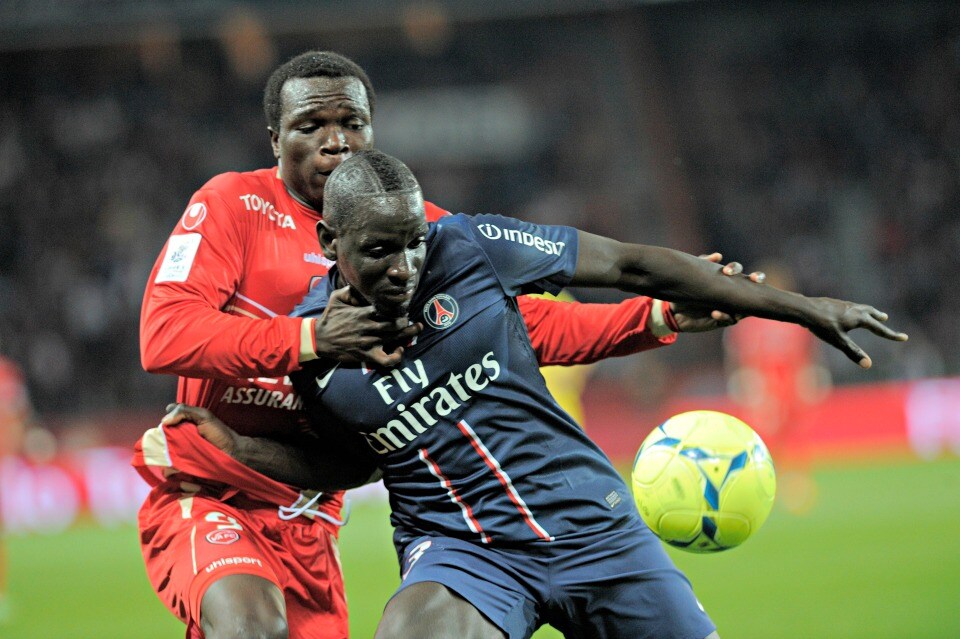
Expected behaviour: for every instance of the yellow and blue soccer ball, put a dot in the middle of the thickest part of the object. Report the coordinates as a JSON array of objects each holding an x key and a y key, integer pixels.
[{"x": 703, "y": 481}]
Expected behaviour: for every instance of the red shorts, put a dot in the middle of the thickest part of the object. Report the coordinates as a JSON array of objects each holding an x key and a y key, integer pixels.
[{"x": 190, "y": 542}]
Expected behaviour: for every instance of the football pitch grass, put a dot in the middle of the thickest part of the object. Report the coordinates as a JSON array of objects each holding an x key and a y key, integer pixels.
[{"x": 876, "y": 557}]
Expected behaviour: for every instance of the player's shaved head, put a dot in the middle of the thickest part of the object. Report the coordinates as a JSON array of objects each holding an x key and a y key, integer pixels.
[
  {"x": 311, "y": 64},
  {"x": 366, "y": 175}
]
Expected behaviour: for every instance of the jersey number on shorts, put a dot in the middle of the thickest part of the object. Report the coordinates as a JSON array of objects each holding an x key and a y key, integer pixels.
[{"x": 223, "y": 522}]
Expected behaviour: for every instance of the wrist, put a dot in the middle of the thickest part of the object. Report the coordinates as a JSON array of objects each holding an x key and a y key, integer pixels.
[
  {"x": 661, "y": 321},
  {"x": 241, "y": 448},
  {"x": 308, "y": 340}
]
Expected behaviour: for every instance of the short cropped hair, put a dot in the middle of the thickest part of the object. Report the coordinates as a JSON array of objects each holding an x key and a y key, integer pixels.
[
  {"x": 364, "y": 175},
  {"x": 311, "y": 64}
]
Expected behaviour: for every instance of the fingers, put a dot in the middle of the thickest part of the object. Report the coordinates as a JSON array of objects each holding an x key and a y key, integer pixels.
[
  {"x": 177, "y": 413},
  {"x": 380, "y": 357},
  {"x": 347, "y": 295},
  {"x": 409, "y": 332},
  {"x": 875, "y": 325},
  {"x": 733, "y": 268},
  {"x": 883, "y": 330},
  {"x": 854, "y": 352}
]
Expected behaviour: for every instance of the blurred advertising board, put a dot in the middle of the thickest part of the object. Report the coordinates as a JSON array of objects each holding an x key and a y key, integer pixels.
[{"x": 909, "y": 419}]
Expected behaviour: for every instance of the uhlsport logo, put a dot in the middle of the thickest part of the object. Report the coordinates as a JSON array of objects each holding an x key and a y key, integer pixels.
[
  {"x": 223, "y": 537},
  {"x": 492, "y": 232},
  {"x": 441, "y": 311},
  {"x": 193, "y": 216}
]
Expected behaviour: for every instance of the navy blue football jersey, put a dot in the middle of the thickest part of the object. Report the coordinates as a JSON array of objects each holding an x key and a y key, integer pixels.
[{"x": 471, "y": 443}]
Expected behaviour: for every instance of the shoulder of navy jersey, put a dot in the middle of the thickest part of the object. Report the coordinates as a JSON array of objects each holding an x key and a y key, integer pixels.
[
  {"x": 319, "y": 296},
  {"x": 526, "y": 257}
]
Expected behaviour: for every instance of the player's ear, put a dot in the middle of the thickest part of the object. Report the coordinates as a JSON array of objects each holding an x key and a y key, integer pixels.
[
  {"x": 274, "y": 142},
  {"x": 328, "y": 240}
]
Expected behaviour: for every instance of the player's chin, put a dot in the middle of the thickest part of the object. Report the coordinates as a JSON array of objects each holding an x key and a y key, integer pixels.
[
  {"x": 315, "y": 186},
  {"x": 392, "y": 309}
]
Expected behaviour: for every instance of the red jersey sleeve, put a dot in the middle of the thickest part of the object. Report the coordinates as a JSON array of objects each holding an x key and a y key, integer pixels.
[
  {"x": 568, "y": 333},
  {"x": 433, "y": 212},
  {"x": 184, "y": 329}
]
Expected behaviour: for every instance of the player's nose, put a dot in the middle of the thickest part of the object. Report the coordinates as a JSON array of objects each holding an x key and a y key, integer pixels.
[
  {"x": 403, "y": 268},
  {"x": 334, "y": 142}
]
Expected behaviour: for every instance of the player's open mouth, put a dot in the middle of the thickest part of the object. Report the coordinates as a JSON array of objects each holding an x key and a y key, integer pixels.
[{"x": 397, "y": 294}]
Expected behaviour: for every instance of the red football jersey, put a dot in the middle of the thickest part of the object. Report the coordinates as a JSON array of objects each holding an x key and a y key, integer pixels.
[{"x": 245, "y": 250}]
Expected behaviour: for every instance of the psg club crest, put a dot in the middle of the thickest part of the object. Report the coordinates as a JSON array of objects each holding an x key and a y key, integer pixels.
[{"x": 441, "y": 311}]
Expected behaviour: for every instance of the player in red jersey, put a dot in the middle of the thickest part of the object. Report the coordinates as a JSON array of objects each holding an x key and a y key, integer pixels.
[{"x": 217, "y": 550}]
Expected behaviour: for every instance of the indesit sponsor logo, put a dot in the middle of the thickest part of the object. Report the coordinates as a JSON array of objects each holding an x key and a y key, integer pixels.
[
  {"x": 492, "y": 232},
  {"x": 257, "y": 204}
]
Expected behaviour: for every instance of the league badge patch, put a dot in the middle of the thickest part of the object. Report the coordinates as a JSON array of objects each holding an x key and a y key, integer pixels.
[
  {"x": 223, "y": 537},
  {"x": 441, "y": 311}
]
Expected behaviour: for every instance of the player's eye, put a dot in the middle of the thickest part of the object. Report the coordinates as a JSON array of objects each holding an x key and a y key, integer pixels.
[
  {"x": 355, "y": 124},
  {"x": 416, "y": 243}
]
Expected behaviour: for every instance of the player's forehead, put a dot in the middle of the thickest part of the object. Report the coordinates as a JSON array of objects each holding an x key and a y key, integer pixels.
[
  {"x": 389, "y": 216},
  {"x": 300, "y": 96}
]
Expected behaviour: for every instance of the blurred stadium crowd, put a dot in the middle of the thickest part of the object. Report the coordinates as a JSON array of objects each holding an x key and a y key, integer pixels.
[{"x": 827, "y": 139}]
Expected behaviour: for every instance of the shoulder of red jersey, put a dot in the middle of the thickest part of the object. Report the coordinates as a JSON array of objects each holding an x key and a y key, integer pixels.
[
  {"x": 434, "y": 212},
  {"x": 240, "y": 182}
]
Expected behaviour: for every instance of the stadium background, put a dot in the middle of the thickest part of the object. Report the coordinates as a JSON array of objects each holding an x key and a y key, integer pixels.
[{"x": 825, "y": 137}]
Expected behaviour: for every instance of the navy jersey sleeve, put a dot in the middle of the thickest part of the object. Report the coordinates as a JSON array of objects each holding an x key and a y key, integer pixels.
[
  {"x": 316, "y": 300},
  {"x": 528, "y": 258}
]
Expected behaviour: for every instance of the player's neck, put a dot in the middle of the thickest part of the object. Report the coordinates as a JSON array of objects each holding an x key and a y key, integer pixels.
[{"x": 300, "y": 199}]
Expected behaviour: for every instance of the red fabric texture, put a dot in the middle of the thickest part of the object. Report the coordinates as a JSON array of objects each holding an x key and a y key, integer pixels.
[{"x": 577, "y": 333}]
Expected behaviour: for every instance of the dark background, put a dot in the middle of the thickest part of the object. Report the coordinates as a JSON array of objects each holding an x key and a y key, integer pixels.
[{"x": 820, "y": 136}]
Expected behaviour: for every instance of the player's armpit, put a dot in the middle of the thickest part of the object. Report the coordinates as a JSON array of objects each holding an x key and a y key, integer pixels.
[{"x": 569, "y": 333}]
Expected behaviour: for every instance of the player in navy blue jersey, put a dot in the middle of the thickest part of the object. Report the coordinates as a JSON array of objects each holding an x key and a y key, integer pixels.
[{"x": 506, "y": 515}]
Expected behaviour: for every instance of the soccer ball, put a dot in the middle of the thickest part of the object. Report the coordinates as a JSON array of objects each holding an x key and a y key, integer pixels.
[{"x": 703, "y": 481}]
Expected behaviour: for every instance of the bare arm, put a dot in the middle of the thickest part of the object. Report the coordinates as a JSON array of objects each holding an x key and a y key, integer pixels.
[
  {"x": 679, "y": 277},
  {"x": 335, "y": 462}
]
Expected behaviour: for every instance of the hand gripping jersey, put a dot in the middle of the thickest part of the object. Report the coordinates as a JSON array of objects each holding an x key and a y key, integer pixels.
[
  {"x": 215, "y": 313},
  {"x": 216, "y": 306},
  {"x": 245, "y": 251},
  {"x": 243, "y": 254},
  {"x": 471, "y": 442}
]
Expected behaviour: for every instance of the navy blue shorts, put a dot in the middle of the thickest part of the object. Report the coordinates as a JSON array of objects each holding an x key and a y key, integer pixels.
[{"x": 616, "y": 584}]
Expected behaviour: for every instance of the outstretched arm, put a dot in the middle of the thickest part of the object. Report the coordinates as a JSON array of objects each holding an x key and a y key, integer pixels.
[
  {"x": 565, "y": 333},
  {"x": 669, "y": 274}
]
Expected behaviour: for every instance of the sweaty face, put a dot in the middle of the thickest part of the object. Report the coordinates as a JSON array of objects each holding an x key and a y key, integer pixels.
[
  {"x": 323, "y": 121},
  {"x": 380, "y": 252}
]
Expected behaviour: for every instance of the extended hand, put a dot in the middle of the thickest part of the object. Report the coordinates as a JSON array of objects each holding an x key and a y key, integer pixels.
[
  {"x": 350, "y": 331},
  {"x": 832, "y": 319},
  {"x": 208, "y": 425},
  {"x": 697, "y": 319}
]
